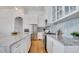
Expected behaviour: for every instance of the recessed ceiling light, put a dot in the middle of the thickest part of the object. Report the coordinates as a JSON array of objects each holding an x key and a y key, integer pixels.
[{"x": 16, "y": 8}]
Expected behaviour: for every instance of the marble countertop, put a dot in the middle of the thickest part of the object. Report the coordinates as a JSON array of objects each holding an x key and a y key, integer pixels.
[
  {"x": 66, "y": 41},
  {"x": 10, "y": 39}
]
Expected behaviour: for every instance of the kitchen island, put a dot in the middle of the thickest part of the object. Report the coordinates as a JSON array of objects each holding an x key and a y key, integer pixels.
[
  {"x": 19, "y": 43},
  {"x": 64, "y": 45}
]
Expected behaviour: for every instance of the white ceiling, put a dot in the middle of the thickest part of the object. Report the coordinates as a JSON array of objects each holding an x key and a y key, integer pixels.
[{"x": 26, "y": 8}]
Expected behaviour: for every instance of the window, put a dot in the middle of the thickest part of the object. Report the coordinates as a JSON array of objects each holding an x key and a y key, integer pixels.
[
  {"x": 66, "y": 9},
  {"x": 57, "y": 15},
  {"x": 59, "y": 12},
  {"x": 53, "y": 13},
  {"x": 72, "y": 8},
  {"x": 58, "y": 8}
]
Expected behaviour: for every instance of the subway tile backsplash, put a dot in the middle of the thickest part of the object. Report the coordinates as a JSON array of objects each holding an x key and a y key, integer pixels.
[{"x": 66, "y": 27}]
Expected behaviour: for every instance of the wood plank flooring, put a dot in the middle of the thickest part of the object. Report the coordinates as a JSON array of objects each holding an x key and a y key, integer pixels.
[{"x": 37, "y": 46}]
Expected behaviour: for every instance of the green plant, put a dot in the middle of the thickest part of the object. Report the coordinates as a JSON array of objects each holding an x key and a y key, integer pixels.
[{"x": 75, "y": 33}]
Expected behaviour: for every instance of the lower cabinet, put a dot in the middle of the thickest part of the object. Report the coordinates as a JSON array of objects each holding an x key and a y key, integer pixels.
[
  {"x": 18, "y": 47},
  {"x": 53, "y": 46},
  {"x": 21, "y": 46},
  {"x": 71, "y": 49},
  {"x": 2, "y": 49},
  {"x": 57, "y": 46},
  {"x": 49, "y": 44}
]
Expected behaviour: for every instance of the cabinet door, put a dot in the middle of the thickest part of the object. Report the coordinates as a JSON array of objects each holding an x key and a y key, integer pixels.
[
  {"x": 57, "y": 46},
  {"x": 18, "y": 47},
  {"x": 2, "y": 49},
  {"x": 72, "y": 8},
  {"x": 49, "y": 44},
  {"x": 22, "y": 46},
  {"x": 66, "y": 10},
  {"x": 27, "y": 43},
  {"x": 71, "y": 49}
]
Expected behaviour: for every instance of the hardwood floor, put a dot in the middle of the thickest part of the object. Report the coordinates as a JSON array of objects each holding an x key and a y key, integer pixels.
[{"x": 37, "y": 46}]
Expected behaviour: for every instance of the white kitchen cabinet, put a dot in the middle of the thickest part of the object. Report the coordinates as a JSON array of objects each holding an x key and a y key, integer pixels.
[
  {"x": 53, "y": 46},
  {"x": 22, "y": 46},
  {"x": 71, "y": 49},
  {"x": 48, "y": 14},
  {"x": 18, "y": 47},
  {"x": 2, "y": 49},
  {"x": 49, "y": 44},
  {"x": 57, "y": 46},
  {"x": 28, "y": 43},
  {"x": 15, "y": 47},
  {"x": 63, "y": 13},
  {"x": 15, "y": 44}
]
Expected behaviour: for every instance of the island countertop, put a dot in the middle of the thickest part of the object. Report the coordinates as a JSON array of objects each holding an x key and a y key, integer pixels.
[
  {"x": 66, "y": 41},
  {"x": 10, "y": 39}
]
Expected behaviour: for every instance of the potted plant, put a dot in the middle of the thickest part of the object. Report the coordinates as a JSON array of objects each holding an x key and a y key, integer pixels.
[{"x": 75, "y": 35}]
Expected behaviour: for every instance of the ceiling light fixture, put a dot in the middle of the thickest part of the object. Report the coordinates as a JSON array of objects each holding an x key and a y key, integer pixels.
[{"x": 16, "y": 8}]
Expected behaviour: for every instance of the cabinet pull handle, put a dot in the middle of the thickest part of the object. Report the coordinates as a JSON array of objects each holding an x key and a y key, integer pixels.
[{"x": 17, "y": 45}]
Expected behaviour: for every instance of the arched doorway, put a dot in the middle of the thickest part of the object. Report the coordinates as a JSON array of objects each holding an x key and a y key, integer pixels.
[{"x": 18, "y": 26}]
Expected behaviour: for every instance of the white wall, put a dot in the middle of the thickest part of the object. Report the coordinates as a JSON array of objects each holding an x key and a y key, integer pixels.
[
  {"x": 48, "y": 13},
  {"x": 7, "y": 17},
  {"x": 6, "y": 21},
  {"x": 33, "y": 17}
]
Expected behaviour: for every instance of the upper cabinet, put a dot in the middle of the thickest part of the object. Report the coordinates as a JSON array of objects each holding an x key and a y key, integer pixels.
[
  {"x": 66, "y": 10},
  {"x": 53, "y": 13},
  {"x": 59, "y": 12},
  {"x": 63, "y": 13},
  {"x": 72, "y": 8}
]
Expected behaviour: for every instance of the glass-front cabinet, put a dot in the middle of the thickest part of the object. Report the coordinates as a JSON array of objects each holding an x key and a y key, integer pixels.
[
  {"x": 66, "y": 10},
  {"x": 59, "y": 12},
  {"x": 72, "y": 8},
  {"x": 53, "y": 13}
]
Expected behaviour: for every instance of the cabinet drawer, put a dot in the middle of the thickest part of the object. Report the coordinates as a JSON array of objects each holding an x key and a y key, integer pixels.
[
  {"x": 15, "y": 46},
  {"x": 2, "y": 49}
]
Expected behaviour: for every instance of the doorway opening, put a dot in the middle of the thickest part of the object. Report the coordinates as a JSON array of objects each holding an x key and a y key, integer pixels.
[{"x": 18, "y": 25}]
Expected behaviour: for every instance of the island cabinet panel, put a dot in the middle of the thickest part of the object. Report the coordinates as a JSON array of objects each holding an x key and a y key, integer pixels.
[
  {"x": 15, "y": 44},
  {"x": 22, "y": 46},
  {"x": 17, "y": 47},
  {"x": 2, "y": 50}
]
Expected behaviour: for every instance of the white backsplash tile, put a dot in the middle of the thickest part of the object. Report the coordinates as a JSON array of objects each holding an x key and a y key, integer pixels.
[{"x": 66, "y": 27}]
